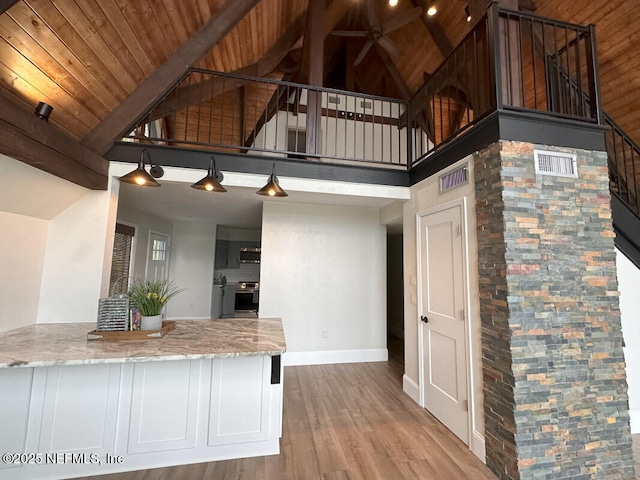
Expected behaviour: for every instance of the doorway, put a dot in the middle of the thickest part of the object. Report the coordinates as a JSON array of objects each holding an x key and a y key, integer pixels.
[
  {"x": 157, "y": 256},
  {"x": 443, "y": 293}
]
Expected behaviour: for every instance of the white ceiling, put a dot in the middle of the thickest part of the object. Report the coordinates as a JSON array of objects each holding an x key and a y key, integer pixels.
[
  {"x": 239, "y": 207},
  {"x": 25, "y": 190}
]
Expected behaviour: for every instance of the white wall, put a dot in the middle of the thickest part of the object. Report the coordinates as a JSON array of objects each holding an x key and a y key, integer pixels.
[
  {"x": 628, "y": 281},
  {"x": 25, "y": 218},
  {"x": 192, "y": 258},
  {"x": 72, "y": 279},
  {"x": 324, "y": 268},
  {"x": 144, "y": 223},
  {"x": 23, "y": 241},
  {"x": 425, "y": 195}
]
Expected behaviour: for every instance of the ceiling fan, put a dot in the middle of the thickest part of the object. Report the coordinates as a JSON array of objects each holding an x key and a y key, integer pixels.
[{"x": 377, "y": 33}]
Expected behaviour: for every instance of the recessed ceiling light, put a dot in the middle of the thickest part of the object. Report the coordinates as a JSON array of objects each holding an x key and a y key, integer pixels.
[
  {"x": 432, "y": 9},
  {"x": 393, "y": 3}
]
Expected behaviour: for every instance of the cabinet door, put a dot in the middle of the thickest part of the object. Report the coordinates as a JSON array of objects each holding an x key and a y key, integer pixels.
[
  {"x": 80, "y": 409},
  {"x": 234, "y": 255},
  {"x": 15, "y": 399},
  {"x": 222, "y": 254},
  {"x": 164, "y": 406},
  {"x": 239, "y": 409}
]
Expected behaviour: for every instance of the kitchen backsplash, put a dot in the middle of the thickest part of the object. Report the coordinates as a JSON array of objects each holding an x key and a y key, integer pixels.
[{"x": 248, "y": 272}]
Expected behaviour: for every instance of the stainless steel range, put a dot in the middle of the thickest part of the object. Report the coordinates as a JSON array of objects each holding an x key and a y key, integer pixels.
[{"x": 247, "y": 298}]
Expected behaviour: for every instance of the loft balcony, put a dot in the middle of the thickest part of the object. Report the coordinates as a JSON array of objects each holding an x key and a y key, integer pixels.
[{"x": 515, "y": 76}]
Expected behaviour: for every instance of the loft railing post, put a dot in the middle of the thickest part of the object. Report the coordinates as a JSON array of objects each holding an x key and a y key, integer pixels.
[
  {"x": 493, "y": 30},
  {"x": 592, "y": 72},
  {"x": 409, "y": 136}
]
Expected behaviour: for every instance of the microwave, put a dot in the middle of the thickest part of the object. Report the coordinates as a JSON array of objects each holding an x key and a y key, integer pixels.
[{"x": 250, "y": 255}]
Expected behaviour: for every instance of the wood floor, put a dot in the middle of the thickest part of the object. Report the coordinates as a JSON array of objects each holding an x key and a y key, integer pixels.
[
  {"x": 350, "y": 421},
  {"x": 347, "y": 422}
]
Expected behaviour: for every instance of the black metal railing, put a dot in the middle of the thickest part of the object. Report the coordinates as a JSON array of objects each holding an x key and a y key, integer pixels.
[
  {"x": 509, "y": 61},
  {"x": 239, "y": 113},
  {"x": 624, "y": 165}
]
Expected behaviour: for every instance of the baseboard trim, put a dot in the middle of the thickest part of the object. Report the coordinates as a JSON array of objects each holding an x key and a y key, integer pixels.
[
  {"x": 293, "y": 359},
  {"x": 477, "y": 446},
  {"x": 411, "y": 388},
  {"x": 634, "y": 421}
]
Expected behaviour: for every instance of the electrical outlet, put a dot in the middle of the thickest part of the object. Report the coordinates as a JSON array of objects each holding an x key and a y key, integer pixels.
[
  {"x": 325, "y": 333},
  {"x": 414, "y": 298}
]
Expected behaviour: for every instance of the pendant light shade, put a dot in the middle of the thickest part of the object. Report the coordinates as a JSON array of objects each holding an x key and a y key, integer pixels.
[
  {"x": 272, "y": 188},
  {"x": 140, "y": 176},
  {"x": 211, "y": 183}
]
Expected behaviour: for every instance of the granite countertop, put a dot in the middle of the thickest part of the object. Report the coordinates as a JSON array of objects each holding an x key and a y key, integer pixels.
[{"x": 66, "y": 343}]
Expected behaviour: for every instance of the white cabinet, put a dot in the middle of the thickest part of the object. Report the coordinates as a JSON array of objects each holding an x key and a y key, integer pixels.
[
  {"x": 15, "y": 401},
  {"x": 164, "y": 406},
  {"x": 239, "y": 406},
  {"x": 79, "y": 409},
  {"x": 147, "y": 414}
]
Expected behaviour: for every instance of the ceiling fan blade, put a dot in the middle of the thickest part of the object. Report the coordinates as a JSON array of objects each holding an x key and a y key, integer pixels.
[
  {"x": 389, "y": 45},
  {"x": 401, "y": 20},
  {"x": 349, "y": 33},
  {"x": 363, "y": 52},
  {"x": 372, "y": 13}
]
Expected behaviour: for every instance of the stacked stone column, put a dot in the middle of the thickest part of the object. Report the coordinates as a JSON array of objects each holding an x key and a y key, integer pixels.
[{"x": 555, "y": 391}]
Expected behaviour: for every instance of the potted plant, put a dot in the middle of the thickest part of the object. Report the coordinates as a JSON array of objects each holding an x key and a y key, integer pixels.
[{"x": 150, "y": 296}]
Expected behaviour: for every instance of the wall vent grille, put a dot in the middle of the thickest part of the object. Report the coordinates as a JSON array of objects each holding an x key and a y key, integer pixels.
[
  {"x": 454, "y": 178},
  {"x": 367, "y": 105},
  {"x": 557, "y": 164},
  {"x": 335, "y": 99}
]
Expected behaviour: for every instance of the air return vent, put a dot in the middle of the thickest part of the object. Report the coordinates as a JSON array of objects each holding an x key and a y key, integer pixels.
[
  {"x": 454, "y": 178},
  {"x": 555, "y": 163},
  {"x": 366, "y": 104},
  {"x": 334, "y": 99}
]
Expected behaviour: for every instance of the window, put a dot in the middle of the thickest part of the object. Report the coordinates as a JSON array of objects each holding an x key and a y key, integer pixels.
[
  {"x": 121, "y": 259},
  {"x": 159, "y": 250}
]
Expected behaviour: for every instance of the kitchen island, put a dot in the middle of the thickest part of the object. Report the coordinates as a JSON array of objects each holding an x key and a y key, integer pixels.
[{"x": 70, "y": 407}]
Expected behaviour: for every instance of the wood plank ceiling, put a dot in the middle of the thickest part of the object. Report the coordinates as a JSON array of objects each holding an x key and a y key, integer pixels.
[{"x": 85, "y": 57}]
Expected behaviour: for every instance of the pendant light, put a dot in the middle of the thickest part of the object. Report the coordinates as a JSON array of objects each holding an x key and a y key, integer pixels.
[
  {"x": 140, "y": 176},
  {"x": 272, "y": 189},
  {"x": 211, "y": 183}
]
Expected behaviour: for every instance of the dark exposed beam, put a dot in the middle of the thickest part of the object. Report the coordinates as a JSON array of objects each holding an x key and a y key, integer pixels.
[
  {"x": 25, "y": 137},
  {"x": 151, "y": 90},
  {"x": 393, "y": 72},
  {"x": 6, "y": 5},
  {"x": 313, "y": 56},
  {"x": 208, "y": 89},
  {"x": 275, "y": 103},
  {"x": 435, "y": 30},
  {"x": 260, "y": 164}
]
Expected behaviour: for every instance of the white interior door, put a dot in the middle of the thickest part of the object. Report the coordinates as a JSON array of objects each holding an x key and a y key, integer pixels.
[
  {"x": 157, "y": 256},
  {"x": 442, "y": 311}
]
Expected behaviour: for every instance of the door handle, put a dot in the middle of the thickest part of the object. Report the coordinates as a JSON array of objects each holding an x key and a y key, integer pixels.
[{"x": 424, "y": 318}]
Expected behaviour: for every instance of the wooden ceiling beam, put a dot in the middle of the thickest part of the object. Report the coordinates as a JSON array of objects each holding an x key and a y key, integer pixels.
[
  {"x": 25, "y": 137},
  {"x": 6, "y": 5},
  {"x": 435, "y": 30},
  {"x": 393, "y": 72},
  {"x": 313, "y": 58},
  {"x": 217, "y": 85},
  {"x": 120, "y": 120}
]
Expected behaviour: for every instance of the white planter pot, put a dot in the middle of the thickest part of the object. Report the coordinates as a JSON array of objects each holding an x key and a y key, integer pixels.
[{"x": 151, "y": 323}]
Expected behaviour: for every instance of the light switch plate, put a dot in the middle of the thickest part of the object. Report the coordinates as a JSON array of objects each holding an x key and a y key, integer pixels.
[
  {"x": 414, "y": 298},
  {"x": 413, "y": 280}
]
